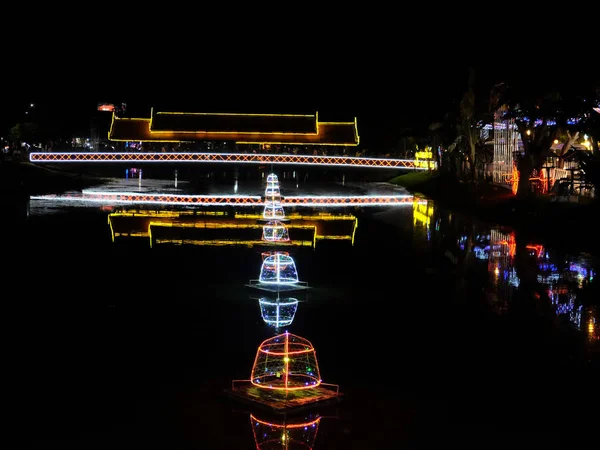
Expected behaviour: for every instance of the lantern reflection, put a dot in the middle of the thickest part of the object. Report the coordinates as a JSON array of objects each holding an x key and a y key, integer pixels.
[
  {"x": 275, "y": 231},
  {"x": 278, "y": 312},
  {"x": 299, "y": 433},
  {"x": 273, "y": 210}
]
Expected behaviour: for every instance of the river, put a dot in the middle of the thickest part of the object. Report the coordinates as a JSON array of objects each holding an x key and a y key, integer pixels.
[{"x": 436, "y": 327}]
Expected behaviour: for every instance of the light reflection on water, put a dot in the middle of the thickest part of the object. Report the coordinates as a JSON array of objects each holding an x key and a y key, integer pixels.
[
  {"x": 370, "y": 319},
  {"x": 558, "y": 279}
]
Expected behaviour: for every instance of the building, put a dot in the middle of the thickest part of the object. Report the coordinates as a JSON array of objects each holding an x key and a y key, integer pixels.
[{"x": 233, "y": 132}]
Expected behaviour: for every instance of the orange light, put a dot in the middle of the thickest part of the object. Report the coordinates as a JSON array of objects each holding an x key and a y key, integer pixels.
[
  {"x": 284, "y": 435},
  {"x": 248, "y": 158},
  {"x": 106, "y": 107},
  {"x": 285, "y": 362},
  {"x": 320, "y": 135},
  {"x": 515, "y": 180}
]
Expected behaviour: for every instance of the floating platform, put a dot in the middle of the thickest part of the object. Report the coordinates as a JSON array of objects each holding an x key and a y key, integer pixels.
[
  {"x": 277, "y": 402},
  {"x": 298, "y": 286}
]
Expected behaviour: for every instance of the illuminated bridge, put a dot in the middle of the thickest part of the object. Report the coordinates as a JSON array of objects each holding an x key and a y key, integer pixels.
[{"x": 229, "y": 158}]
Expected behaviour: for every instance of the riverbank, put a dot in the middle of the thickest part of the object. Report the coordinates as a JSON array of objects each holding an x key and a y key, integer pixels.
[
  {"x": 556, "y": 223},
  {"x": 29, "y": 179}
]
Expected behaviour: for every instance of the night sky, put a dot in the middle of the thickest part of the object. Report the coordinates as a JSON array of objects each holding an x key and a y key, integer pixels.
[{"x": 384, "y": 98}]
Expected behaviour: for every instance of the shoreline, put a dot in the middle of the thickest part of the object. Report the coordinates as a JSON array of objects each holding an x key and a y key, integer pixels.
[
  {"x": 560, "y": 225},
  {"x": 19, "y": 179}
]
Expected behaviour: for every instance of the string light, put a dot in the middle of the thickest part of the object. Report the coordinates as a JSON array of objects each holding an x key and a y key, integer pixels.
[
  {"x": 235, "y": 158},
  {"x": 285, "y": 362}
]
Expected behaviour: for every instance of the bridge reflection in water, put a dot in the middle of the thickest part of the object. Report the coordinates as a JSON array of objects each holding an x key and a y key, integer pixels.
[{"x": 219, "y": 228}]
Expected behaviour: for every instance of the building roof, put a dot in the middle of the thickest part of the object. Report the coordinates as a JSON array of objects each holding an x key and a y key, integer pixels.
[
  {"x": 239, "y": 128},
  {"x": 233, "y": 123}
]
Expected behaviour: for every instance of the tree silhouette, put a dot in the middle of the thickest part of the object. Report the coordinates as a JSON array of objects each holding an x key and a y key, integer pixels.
[{"x": 24, "y": 132}]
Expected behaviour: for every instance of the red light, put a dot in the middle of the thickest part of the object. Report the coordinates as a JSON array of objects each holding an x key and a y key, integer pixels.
[{"x": 106, "y": 107}]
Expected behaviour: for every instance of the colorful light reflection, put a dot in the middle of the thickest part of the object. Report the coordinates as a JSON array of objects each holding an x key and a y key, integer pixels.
[
  {"x": 273, "y": 210},
  {"x": 285, "y": 434},
  {"x": 278, "y": 313},
  {"x": 275, "y": 231}
]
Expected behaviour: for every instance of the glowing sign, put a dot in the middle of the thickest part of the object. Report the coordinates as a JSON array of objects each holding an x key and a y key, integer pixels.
[
  {"x": 424, "y": 155},
  {"x": 424, "y": 159}
]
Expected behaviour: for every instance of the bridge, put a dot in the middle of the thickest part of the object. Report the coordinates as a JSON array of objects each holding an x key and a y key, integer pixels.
[{"x": 229, "y": 158}]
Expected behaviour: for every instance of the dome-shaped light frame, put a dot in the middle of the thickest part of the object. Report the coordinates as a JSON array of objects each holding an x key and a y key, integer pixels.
[
  {"x": 285, "y": 362},
  {"x": 278, "y": 269}
]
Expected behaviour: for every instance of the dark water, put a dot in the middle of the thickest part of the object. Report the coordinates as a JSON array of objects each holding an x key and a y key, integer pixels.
[{"x": 438, "y": 329}]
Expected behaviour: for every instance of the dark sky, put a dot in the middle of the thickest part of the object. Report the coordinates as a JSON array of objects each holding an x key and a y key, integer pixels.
[{"x": 383, "y": 97}]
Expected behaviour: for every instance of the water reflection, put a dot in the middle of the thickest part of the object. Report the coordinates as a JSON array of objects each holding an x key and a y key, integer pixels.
[
  {"x": 278, "y": 312},
  {"x": 422, "y": 214},
  {"x": 15, "y": 207},
  {"x": 285, "y": 433},
  {"x": 273, "y": 210},
  {"x": 275, "y": 231},
  {"x": 517, "y": 268},
  {"x": 230, "y": 228}
]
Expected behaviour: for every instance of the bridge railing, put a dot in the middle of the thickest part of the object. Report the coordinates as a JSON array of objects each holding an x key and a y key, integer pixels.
[{"x": 240, "y": 158}]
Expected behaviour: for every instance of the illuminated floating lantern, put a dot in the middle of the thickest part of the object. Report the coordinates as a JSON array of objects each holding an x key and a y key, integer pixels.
[
  {"x": 300, "y": 433},
  {"x": 278, "y": 313},
  {"x": 272, "y": 190},
  {"x": 273, "y": 210},
  {"x": 275, "y": 231},
  {"x": 285, "y": 362},
  {"x": 278, "y": 269}
]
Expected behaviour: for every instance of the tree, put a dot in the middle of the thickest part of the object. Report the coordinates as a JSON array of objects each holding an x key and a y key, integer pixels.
[
  {"x": 592, "y": 123},
  {"x": 568, "y": 140},
  {"x": 540, "y": 114},
  {"x": 23, "y": 132},
  {"x": 436, "y": 130},
  {"x": 472, "y": 114},
  {"x": 590, "y": 166}
]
